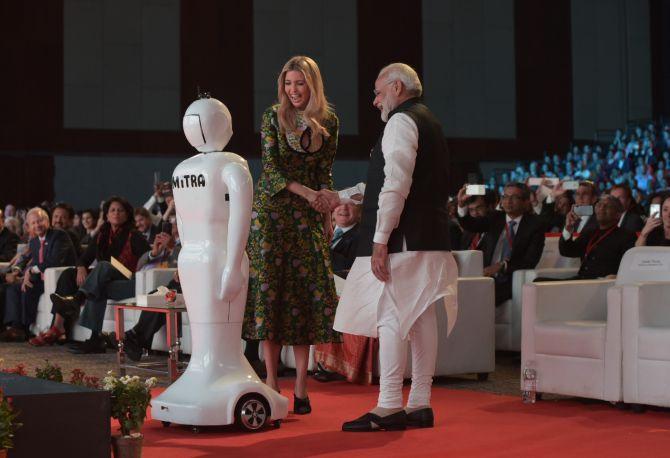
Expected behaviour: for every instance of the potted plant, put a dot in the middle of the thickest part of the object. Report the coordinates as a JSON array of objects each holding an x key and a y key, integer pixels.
[
  {"x": 50, "y": 371},
  {"x": 8, "y": 425},
  {"x": 130, "y": 398}
]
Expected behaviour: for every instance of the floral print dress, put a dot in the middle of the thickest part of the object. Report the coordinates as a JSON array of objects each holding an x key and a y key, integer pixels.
[{"x": 291, "y": 298}]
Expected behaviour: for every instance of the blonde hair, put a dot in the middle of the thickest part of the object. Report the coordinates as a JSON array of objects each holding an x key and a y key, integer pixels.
[{"x": 317, "y": 106}]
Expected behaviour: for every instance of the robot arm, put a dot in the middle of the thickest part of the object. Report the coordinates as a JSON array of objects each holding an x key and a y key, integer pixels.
[{"x": 240, "y": 189}]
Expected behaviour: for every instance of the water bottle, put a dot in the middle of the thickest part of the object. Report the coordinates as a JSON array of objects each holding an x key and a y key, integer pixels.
[{"x": 529, "y": 376}]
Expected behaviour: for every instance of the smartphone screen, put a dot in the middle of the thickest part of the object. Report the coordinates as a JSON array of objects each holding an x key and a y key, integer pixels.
[
  {"x": 475, "y": 190},
  {"x": 655, "y": 210},
  {"x": 166, "y": 227},
  {"x": 583, "y": 210}
]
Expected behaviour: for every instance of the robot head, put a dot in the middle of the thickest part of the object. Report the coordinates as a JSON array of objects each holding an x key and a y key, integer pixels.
[{"x": 208, "y": 125}]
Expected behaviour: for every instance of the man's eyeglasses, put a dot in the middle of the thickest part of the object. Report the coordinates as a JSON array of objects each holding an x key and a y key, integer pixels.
[
  {"x": 376, "y": 92},
  {"x": 510, "y": 197}
]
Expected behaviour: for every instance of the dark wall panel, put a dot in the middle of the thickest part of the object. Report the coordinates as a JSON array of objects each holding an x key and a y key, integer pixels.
[
  {"x": 217, "y": 55},
  {"x": 388, "y": 31},
  {"x": 659, "y": 15},
  {"x": 544, "y": 75}
]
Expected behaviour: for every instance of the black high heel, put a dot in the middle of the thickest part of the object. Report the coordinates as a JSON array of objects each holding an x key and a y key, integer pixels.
[{"x": 301, "y": 406}]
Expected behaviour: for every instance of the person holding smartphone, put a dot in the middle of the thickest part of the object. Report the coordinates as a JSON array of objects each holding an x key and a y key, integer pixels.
[
  {"x": 586, "y": 196},
  {"x": 656, "y": 231},
  {"x": 600, "y": 249}
]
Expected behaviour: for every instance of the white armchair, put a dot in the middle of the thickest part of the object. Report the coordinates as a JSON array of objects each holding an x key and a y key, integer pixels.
[
  {"x": 508, "y": 314},
  {"x": 646, "y": 329},
  {"x": 470, "y": 348},
  {"x": 573, "y": 336},
  {"x": 573, "y": 330}
]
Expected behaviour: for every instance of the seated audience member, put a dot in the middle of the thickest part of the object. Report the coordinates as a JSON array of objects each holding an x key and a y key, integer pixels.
[
  {"x": 586, "y": 194},
  {"x": 14, "y": 225},
  {"x": 353, "y": 358},
  {"x": 77, "y": 227},
  {"x": 478, "y": 207},
  {"x": 140, "y": 337},
  {"x": 62, "y": 217},
  {"x": 10, "y": 211},
  {"x": 345, "y": 238},
  {"x": 89, "y": 222},
  {"x": 159, "y": 201},
  {"x": 514, "y": 237},
  {"x": 11, "y": 274},
  {"x": 630, "y": 220},
  {"x": 600, "y": 249},
  {"x": 455, "y": 231},
  {"x": 117, "y": 238},
  {"x": 8, "y": 241},
  {"x": 49, "y": 248},
  {"x": 144, "y": 224},
  {"x": 561, "y": 207},
  {"x": 656, "y": 231}
]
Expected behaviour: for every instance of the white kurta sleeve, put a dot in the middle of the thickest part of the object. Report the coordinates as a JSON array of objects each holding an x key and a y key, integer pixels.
[{"x": 399, "y": 146}]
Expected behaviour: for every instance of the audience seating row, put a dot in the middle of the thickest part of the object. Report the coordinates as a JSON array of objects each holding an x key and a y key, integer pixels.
[
  {"x": 603, "y": 339},
  {"x": 145, "y": 281}
]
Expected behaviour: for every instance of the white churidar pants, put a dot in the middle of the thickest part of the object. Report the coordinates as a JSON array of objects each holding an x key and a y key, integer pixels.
[{"x": 393, "y": 355}]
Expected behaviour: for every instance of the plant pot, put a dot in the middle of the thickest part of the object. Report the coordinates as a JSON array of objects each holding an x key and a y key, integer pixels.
[
  {"x": 3, "y": 453},
  {"x": 127, "y": 446}
]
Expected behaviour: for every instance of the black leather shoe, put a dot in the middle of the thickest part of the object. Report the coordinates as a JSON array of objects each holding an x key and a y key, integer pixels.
[
  {"x": 324, "y": 376},
  {"x": 13, "y": 335},
  {"x": 421, "y": 418},
  {"x": 66, "y": 306},
  {"x": 301, "y": 406},
  {"x": 371, "y": 422},
  {"x": 131, "y": 347},
  {"x": 91, "y": 346}
]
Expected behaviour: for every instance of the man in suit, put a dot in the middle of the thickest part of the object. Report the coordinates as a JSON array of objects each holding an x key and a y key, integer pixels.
[
  {"x": 600, "y": 249},
  {"x": 49, "y": 248},
  {"x": 514, "y": 237},
  {"x": 629, "y": 220},
  {"x": 478, "y": 207},
  {"x": 62, "y": 217},
  {"x": 586, "y": 194},
  {"x": 345, "y": 238},
  {"x": 144, "y": 224},
  {"x": 8, "y": 241}
]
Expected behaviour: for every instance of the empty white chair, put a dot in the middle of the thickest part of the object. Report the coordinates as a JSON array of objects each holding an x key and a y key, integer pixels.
[
  {"x": 646, "y": 328},
  {"x": 572, "y": 331}
]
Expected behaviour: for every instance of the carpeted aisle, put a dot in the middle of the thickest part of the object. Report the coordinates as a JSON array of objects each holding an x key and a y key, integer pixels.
[{"x": 468, "y": 424}]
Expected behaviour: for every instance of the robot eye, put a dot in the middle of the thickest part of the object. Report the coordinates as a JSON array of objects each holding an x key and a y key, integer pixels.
[{"x": 193, "y": 130}]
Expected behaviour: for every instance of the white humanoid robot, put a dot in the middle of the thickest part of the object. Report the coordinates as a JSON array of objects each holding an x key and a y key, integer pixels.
[{"x": 213, "y": 193}]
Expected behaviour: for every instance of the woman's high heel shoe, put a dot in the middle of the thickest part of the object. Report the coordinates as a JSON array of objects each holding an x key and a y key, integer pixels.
[{"x": 301, "y": 406}]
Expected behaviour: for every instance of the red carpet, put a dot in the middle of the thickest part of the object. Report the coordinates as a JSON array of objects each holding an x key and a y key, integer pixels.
[{"x": 468, "y": 424}]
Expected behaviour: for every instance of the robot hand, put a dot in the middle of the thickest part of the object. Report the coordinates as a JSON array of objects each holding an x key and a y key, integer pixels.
[{"x": 231, "y": 283}]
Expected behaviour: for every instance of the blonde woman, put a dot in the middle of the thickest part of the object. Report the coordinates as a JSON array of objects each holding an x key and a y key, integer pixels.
[{"x": 291, "y": 299}]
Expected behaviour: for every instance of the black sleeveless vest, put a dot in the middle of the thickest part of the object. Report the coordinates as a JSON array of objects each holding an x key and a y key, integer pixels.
[{"x": 424, "y": 221}]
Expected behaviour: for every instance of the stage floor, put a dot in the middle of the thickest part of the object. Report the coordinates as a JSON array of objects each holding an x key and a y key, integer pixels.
[
  {"x": 473, "y": 419},
  {"x": 468, "y": 424}
]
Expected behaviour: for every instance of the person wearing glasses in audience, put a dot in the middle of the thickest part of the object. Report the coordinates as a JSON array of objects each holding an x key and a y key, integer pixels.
[
  {"x": 478, "y": 207},
  {"x": 600, "y": 249},
  {"x": 514, "y": 237},
  {"x": 630, "y": 219}
]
